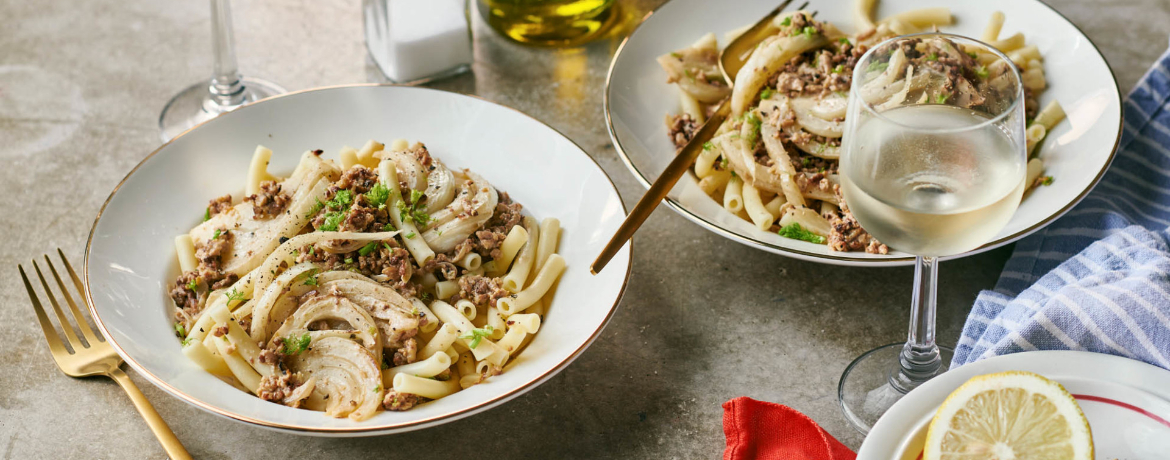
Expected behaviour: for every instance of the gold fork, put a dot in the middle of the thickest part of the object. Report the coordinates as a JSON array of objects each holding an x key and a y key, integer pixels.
[
  {"x": 731, "y": 59},
  {"x": 93, "y": 356}
]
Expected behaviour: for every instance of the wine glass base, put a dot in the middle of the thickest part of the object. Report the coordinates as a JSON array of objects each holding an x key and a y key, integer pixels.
[
  {"x": 193, "y": 105},
  {"x": 865, "y": 392}
]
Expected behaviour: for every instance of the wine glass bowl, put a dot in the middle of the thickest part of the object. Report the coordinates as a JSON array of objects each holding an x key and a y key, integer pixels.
[{"x": 934, "y": 160}]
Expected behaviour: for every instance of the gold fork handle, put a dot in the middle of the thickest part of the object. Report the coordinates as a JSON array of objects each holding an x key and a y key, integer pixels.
[{"x": 161, "y": 431}]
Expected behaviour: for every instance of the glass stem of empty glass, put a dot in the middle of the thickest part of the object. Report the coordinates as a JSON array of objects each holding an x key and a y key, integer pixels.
[
  {"x": 224, "y": 92},
  {"x": 227, "y": 87}
]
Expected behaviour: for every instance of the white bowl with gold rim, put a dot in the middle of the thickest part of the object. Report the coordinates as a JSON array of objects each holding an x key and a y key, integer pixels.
[
  {"x": 1076, "y": 153},
  {"x": 130, "y": 261}
]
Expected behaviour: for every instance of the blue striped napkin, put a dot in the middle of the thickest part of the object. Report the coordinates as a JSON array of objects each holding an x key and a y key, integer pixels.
[{"x": 1097, "y": 279}]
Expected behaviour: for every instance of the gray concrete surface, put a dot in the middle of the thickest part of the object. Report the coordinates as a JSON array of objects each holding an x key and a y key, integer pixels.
[{"x": 81, "y": 86}]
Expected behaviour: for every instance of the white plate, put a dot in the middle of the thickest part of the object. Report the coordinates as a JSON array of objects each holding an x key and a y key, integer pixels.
[
  {"x": 1076, "y": 153},
  {"x": 130, "y": 261},
  {"x": 1125, "y": 401}
]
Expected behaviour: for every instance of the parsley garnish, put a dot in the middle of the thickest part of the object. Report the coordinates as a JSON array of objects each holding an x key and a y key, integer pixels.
[
  {"x": 193, "y": 285},
  {"x": 1047, "y": 180},
  {"x": 838, "y": 69},
  {"x": 377, "y": 388},
  {"x": 981, "y": 71},
  {"x": 410, "y": 235},
  {"x": 766, "y": 93},
  {"x": 941, "y": 98},
  {"x": 787, "y": 21},
  {"x": 476, "y": 335},
  {"x": 207, "y": 214},
  {"x": 341, "y": 200},
  {"x": 805, "y": 161},
  {"x": 368, "y": 248},
  {"x": 215, "y": 236},
  {"x": 378, "y": 195},
  {"x": 311, "y": 280},
  {"x": 973, "y": 55},
  {"x": 877, "y": 67},
  {"x": 180, "y": 329},
  {"x": 723, "y": 162},
  {"x": 755, "y": 128},
  {"x": 186, "y": 342},
  {"x": 708, "y": 145},
  {"x": 676, "y": 55},
  {"x": 235, "y": 296},
  {"x": 808, "y": 31},
  {"x": 332, "y": 221},
  {"x": 297, "y": 345},
  {"x": 414, "y": 212},
  {"x": 796, "y": 232},
  {"x": 932, "y": 57},
  {"x": 844, "y": 41},
  {"x": 349, "y": 260},
  {"x": 316, "y": 208},
  {"x": 387, "y": 228}
]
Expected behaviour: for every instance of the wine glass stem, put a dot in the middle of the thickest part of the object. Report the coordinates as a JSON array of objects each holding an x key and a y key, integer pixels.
[
  {"x": 227, "y": 87},
  {"x": 920, "y": 358}
]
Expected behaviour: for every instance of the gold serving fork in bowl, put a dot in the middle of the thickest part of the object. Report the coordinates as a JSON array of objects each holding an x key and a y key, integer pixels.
[
  {"x": 731, "y": 59},
  {"x": 93, "y": 355}
]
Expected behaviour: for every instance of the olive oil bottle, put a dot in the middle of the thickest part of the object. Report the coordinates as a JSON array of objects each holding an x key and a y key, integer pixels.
[{"x": 548, "y": 22}]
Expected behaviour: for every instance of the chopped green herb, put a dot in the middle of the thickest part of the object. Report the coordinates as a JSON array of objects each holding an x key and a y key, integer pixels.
[
  {"x": 341, "y": 200},
  {"x": 708, "y": 145},
  {"x": 332, "y": 221},
  {"x": 215, "y": 236},
  {"x": 311, "y": 280},
  {"x": 796, "y": 232},
  {"x": 723, "y": 163},
  {"x": 840, "y": 93},
  {"x": 689, "y": 75},
  {"x": 932, "y": 57},
  {"x": 1047, "y": 180},
  {"x": 368, "y": 248},
  {"x": 410, "y": 235},
  {"x": 187, "y": 341},
  {"x": 476, "y": 335},
  {"x": 676, "y": 55},
  {"x": 349, "y": 260},
  {"x": 877, "y": 67},
  {"x": 981, "y": 71},
  {"x": 373, "y": 330},
  {"x": 733, "y": 174},
  {"x": 180, "y": 329},
  {"x": 378, "y": 195},
  {"x": 820, "y": 148},
  {"x": 316, "y": 208},
  {"x": 378, "y": 389},
  {"x": 235, "y": 296},
  {"x": 805, "y": 161},
  {"x": 973, "y": 55},
  {"x": 787, "y": 21},
  {"x": 207, "y": 214},
  {"x": 840, "y": 68},
  {"x": 193, "y": 285},
  {"x": 297, "y": 345},
  {"x": 844, "y": 41},
  {"x": 766, "y": 93},
  {"x": 389, "y": 247},
  {"x": 808, "y": 31},
  {"x": 388, "y": 228},
  {"x": 312, "y": 250},
  {"x": 754, "y": 130},
  {"x": 941, "y": 98},
  {"x": 415, "y": 211}
]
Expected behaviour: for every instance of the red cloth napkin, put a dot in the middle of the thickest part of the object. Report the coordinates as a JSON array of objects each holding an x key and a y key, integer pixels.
[{"x": 769, "y": 431}]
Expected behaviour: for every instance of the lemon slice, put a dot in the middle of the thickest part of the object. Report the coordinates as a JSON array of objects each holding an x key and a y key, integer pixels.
[{"x": 1009, "y": 416}]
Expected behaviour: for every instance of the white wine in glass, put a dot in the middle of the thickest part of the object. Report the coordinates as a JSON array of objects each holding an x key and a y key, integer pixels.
[{"x": 933, "y": 163}]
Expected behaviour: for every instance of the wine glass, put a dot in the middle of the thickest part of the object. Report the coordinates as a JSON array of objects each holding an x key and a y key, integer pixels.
[
  {"x": 226, "y": 91},
  {"x": 933, "y": 163}
]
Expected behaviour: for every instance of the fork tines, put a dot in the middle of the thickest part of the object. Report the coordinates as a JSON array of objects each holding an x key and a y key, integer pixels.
[{"x": 88, "y": 337}]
